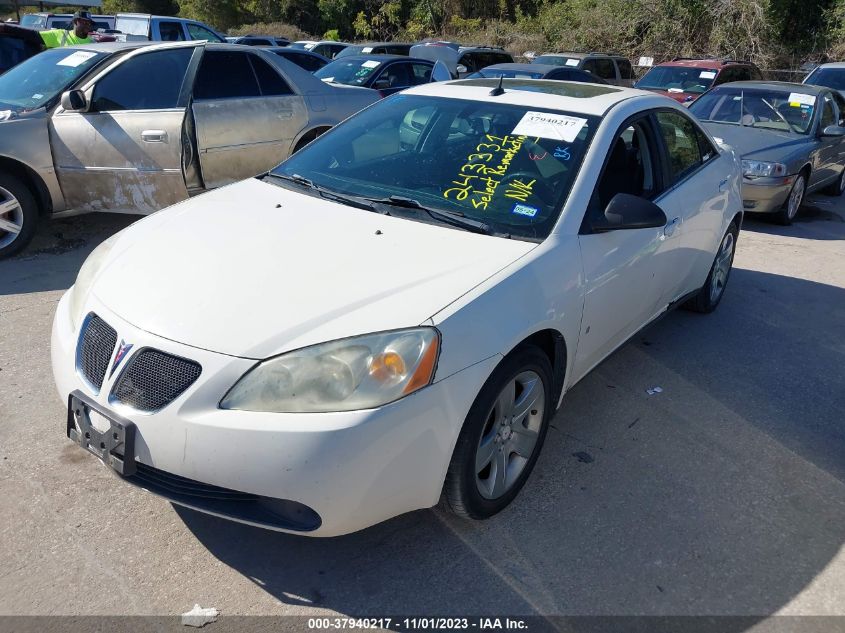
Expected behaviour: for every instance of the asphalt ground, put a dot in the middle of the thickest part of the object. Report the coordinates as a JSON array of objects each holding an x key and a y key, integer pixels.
[{"x": 722, "y": 495}]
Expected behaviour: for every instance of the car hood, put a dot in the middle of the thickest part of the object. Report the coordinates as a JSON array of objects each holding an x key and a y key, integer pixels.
[
  {"x": 253, "y": 270},
  {"x": 757, "y": 143}
]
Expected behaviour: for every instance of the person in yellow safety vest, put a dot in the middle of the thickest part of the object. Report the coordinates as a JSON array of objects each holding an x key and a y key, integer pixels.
[{"x": 82, "y": 25}]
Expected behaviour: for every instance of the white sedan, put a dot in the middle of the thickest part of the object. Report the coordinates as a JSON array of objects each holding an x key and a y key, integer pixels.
[{"x": 393, "y": 315}]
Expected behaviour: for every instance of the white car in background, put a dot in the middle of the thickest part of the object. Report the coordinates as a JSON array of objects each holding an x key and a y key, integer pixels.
[{"x": 402, "y": 306}]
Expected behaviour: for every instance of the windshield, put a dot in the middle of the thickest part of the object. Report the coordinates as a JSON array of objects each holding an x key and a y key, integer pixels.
[
  {"x": 34, "y": 21},
  {"x": 678, "y": 79},
  {"x": 556, "y": 60},
  {"x": 36, "y": 81},
  {"x": 352, "y": 72},
  {"x": 770, "y": 109},
  {"x": 828, "y": 77},
  {"x": 508, "y": 166},
  {"x": 495, "y": 73}
]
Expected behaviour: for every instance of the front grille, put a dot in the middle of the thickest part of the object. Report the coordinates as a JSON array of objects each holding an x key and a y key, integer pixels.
[
  {"x": 153, "y": 379},
  {"x": 96, "y": 345},
  {"x": 167, "y": 483}
]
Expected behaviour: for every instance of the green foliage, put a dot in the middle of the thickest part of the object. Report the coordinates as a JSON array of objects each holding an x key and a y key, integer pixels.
[
  {"x": 276, "y": 29},
  {"x": 332, "y": 34},
  {"x": 379, "y": 20},
  {"x": 221, "y": 14}
]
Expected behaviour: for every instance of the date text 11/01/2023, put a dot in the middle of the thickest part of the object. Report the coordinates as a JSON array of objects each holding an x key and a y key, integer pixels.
[{"x": 420, "y": 623}]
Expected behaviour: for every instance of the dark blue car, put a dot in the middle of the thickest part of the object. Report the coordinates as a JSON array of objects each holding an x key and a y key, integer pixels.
[
  {"x": 535, "y": 71},
  {"x": 385, "y": 73}
]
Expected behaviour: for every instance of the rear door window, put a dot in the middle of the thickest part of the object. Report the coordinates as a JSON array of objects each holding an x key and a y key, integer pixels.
[
  {"x": 199, "y": 32},
  {"x": 171, "y": 31},
  {"x": 625, "y": 69},
  {"x": 601, "y": 67},
  {"x": 270, "y": 82},
  {"x": 225, "y": 75},
  {"x": 682, "y": 144},
  {"x": 128, "y": 86}
]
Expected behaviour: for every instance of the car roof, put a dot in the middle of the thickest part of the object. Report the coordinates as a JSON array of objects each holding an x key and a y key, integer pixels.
[
  {"x": 482, "y": 49},
  {"x": 776, "y": 85},
  {"x": 568, "y": 96},
  {"x": 534, "y": 68},
  {"x": 382, "y": 59},
  {"x": 293, "y": 51},
  {"x": 365, "y": 44},
  {"x": 831, "y": 65},
  {"x": 582, "y": 54},
  {"x": 710, "y": 63}
]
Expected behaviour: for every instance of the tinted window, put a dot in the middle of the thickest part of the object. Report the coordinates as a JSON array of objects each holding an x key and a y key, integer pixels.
[
  {"x": 420, "y": 74},
  {"x": 828, "y": 77},
  {"x": 625, "y": 69},
  {"x": 354, "y": 72},
  {"x": 171, "y": 31},
  {"x": 128, "y": 86},
  {"x": 225, "y": 75},
  {"x": 681, "y": 139},
  {"x": 308, "y": 62},
  {"x": 601, "y": 67},
  {"x": 253, "y": 41},
  {"x": 268, "y": 79},
  {"x": 840, "y": 104},
  {"x": 199, "y": 32},
  {"x": 396, "y": 76},
  {"x": 13, "y": 51}
]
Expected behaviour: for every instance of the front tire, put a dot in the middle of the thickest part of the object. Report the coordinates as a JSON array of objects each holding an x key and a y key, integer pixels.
[
  {"x": 18, "y": 215},
  {"x": 502, "y": 436},
  {"x": 786, "y": 214},
  {"x": 710, "y": 294}
]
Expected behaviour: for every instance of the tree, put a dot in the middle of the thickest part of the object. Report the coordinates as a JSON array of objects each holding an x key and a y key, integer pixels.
[{"x": 221, "y": 14}]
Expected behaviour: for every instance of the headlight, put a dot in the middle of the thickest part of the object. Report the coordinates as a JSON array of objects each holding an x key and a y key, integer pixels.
[
  {"x": 89, "y": 270},
  {"x": 759, "y": 168},
  {"x": 355, "y": 373}
]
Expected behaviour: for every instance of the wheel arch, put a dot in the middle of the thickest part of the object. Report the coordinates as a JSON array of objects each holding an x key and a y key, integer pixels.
[
  {"x": 552, "y": 343},
  {"x": 31, "y": 179}
]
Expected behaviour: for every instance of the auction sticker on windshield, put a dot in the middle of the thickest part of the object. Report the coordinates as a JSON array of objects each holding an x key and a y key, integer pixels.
[
  {"x": 707, "y": 74},
  {"x": 559, "y": 127},
  {"x": 76, "y": 59},
  {"x": 797, "y": 99}
]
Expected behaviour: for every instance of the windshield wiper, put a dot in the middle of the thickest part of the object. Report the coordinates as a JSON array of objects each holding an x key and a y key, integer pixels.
[
  {"x": 454, "y": 218},
  {"x": 360, "y": 203}
]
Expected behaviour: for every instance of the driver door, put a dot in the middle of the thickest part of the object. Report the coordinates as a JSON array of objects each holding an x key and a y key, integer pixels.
[{"x": 124, "y": 153}]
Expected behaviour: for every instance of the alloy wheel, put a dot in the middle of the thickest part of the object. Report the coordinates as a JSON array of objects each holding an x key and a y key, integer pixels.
[
  {"x": 11, "y": 217},
  {"x": 795, "y": 198},
  {"x": 510, "y": 434},
  {"x": 722, "y": 268}
]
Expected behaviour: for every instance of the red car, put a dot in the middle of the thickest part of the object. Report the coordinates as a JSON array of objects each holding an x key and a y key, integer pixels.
[{"x": 685, "y": 79}]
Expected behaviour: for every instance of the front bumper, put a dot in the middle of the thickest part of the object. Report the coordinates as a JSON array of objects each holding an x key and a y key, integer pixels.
[
  {"x": 353, "y": 469},
  {"x": 765, "y": 195}
]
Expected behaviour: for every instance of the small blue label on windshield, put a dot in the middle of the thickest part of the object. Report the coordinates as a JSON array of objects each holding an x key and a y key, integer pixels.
[{"x": 524, "y": 209}]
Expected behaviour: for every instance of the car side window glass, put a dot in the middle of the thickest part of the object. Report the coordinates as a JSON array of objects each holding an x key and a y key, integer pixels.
[
  {"x": 602, "y": 67},
  {"x": 396, "y": 76},
  {"x": 127, "y": 86},
  {"x": 225, "y": 75},
  {"x": 420, "y": 74},
  {"x": 828, "y": 112},
  {"x": 199, "y": 32},
  {"x": 724, "y": 76},
  {"x": 308, "y": 62},
  {"x": 468, "y": 61},
  {"x": 171, "y": 31},
  {"x": 682, "y": 144},
  {"x": 630, "y": 168},
  {"x": 625, "y": 69},
  {"x": 840, "y": 105},
  {"x": 271, "y": 84}
]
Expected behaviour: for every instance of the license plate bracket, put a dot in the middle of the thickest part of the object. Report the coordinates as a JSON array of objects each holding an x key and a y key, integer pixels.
[{"x": 115, "y": 447}]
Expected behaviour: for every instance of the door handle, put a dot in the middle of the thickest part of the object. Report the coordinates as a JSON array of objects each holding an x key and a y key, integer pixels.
[
  {"x": 669, "y": 229},
  {"x": 154, "y": 136},
  {"x": 723, "y": 185}
]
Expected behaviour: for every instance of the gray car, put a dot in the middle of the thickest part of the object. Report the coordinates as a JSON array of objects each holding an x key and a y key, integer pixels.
[
  {"x": 790, "y": 136},
  {"x": 133, "y": 128},
  {"x": 829, "y": 75}
]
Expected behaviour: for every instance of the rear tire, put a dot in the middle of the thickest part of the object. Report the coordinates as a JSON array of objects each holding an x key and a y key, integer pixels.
[
  {"x": 502, "y": 436},
  {"x": 837, "y": 187},
  {"x": 787, "y": 213},
  {"x": 18, "y": 215},
  {"x": 708, "y": 297}
]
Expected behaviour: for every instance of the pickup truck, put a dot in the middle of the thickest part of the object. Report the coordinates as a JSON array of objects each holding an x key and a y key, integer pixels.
[
  {"x": 47, "y": 21},
  {"x": 139, "y": 27}
]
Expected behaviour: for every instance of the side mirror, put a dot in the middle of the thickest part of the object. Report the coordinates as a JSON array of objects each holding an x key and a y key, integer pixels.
[
  {"x": 382, "y": 83},
  {"x": 629, "y": 212},
  {"x": 440, "y": 72},
  {"x": 833, "y": 130},
  {"x": 461, "y": 69},
  {"x": 74, "y": 101}
]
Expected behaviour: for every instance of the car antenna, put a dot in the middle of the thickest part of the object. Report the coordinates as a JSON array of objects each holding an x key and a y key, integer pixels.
[{"x": 498, "y": 90}]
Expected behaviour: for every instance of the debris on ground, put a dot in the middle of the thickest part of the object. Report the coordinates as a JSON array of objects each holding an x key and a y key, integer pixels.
[
  {"x": 654, "y": 390},
  {"x": 200, "y": 616}
]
